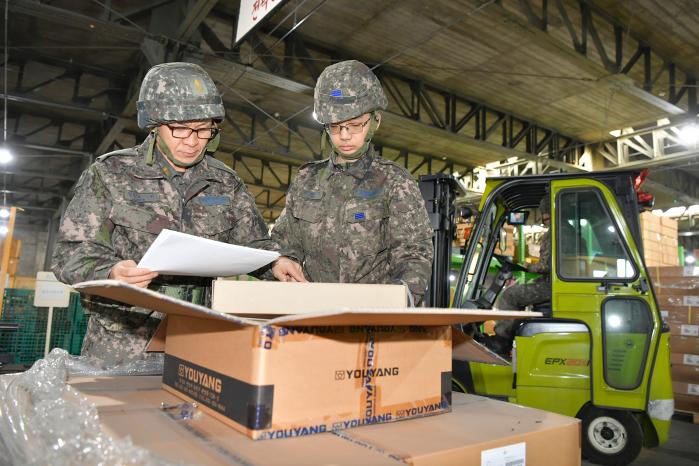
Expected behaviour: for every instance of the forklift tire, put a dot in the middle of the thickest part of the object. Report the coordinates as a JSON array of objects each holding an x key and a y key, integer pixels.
[{"x": 610, "y": 437}]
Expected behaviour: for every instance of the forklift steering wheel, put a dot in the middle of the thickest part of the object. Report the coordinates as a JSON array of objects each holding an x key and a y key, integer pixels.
[{"x": 508, "y": 263}]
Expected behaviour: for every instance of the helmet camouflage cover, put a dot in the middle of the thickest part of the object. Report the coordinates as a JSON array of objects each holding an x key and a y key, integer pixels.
[
  {"x": 178, "y": 91},
  {"x": 347, "y": 90}
]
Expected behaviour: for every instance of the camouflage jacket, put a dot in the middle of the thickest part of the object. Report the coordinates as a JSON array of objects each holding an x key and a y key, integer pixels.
[
  {"x": 121, "y": 204},
  {"x": 365, "y": 222},
  {"x": 544, "y": 265}
]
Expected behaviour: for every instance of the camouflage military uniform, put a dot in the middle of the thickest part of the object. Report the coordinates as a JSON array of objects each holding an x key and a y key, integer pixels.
[
  {"x": 363, "y": 222},
  {"x": 518, "y": 296},
  {"x": 121, "y": 204}
]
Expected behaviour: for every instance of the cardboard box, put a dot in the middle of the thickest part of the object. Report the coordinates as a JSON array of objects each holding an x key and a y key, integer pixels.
[
  {"x": 680, "y": 315},
  {"x": 128, "y": 407},
  {"x": 263, "y": 297},
  {"x": 685, "y": 373},
  {"x": 665, "y": 300},
  {"x": 685, "y": 359},
  {"x": 684, "y": 345},
  {"x": 689, "y": 403},
  {"x": 684, "y": 388},
  {"x": 684, "y": 330},
  {"x": 305, "y": 373}
]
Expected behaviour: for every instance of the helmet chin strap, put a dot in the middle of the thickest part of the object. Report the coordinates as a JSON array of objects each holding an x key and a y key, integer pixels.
[
  {"x": 210, "y": 147},
  {"x": 356, "y": 155}
]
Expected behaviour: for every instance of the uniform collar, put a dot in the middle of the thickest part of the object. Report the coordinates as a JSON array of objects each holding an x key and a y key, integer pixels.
[
  {"x": 161, "y": 168},
  {"x": 357, "y": 169}
]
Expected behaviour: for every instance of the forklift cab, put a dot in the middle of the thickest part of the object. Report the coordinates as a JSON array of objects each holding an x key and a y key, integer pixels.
[{"x": 601, "y": 351}]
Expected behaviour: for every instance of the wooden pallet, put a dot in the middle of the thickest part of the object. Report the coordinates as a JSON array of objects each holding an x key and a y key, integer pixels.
[{"x": 694, "y": 416}]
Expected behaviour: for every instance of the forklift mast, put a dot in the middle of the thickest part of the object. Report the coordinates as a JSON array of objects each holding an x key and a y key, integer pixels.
[{"x": 439, "y": 192}]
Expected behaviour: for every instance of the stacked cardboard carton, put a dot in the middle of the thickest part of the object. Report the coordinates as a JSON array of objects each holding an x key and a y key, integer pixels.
[
  {"x": 506, "y": 245},
  {"x": 463, "y": 231},
  {"x": 677, "y": 289},
  {"x": 659, "y": 240},
  {"x": 311, "y": 370}
]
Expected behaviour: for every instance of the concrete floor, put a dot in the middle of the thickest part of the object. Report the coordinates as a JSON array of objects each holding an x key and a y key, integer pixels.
[{"x": 682, "y": 448}]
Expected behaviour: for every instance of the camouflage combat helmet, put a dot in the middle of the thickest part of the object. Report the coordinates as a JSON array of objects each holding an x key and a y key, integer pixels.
[
  {"x": 347, "y": 90},
  {"x": 178, "y": 92}
]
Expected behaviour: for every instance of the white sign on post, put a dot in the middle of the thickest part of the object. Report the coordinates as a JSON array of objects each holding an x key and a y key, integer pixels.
[
  {"x": 251, "y": 14},
  {"x": 50, "y": 293}
]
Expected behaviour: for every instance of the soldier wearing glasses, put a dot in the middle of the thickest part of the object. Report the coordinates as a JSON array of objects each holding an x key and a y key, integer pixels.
[
  {"x": 127, "y": 197},
  {"x": 356, "y": 217}
]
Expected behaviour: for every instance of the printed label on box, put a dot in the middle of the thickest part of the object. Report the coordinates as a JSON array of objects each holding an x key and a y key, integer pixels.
[
  {"x": 691, "y": 359},
  {"x": 691, "y": 300},
  {"x": 509, "y": 455},
  {"x": 693, "y": 389},
  {"x": 664, "y": 314},
  {"x": 689, "y": 330}
]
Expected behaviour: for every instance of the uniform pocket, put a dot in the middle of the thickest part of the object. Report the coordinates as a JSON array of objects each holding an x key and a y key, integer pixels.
[
  {"x": 366, "y": 223},
  {"x": 216, "y": 225},
  {"x": 308, "y": 206},
  {"x": 135, "y": 218}
]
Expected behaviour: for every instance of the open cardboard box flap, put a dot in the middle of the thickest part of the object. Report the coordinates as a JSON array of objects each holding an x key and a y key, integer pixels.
[{"x": 148, "y": 299}]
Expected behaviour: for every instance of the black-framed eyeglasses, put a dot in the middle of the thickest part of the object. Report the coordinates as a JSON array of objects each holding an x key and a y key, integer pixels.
[
  {"x": 183, "y": 132},
  {"x": 353, "y": 128}
]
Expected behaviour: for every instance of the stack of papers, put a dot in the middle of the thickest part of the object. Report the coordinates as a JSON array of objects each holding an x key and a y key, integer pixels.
[{"x": 175, "y": 253}]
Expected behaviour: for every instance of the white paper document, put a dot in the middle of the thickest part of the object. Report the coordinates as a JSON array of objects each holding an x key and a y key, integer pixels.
[{"x": 175, "y": 253}]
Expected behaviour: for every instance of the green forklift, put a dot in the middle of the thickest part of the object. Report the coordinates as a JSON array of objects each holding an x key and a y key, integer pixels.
[{"x": 600, "y": 353}]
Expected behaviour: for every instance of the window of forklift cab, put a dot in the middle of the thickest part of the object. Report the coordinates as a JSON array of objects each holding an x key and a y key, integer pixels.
[{"x": 589, "y": 244}]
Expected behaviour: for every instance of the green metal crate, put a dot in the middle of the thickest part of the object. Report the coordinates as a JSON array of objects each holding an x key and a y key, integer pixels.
[{"x": 27, "y": 344}]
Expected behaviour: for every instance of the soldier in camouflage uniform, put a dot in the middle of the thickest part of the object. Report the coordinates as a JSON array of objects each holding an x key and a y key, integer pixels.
[
  {"x": 356, "y": 217},
  {"x": 517, "y": 297},
  {"x": 124, "y": 199}
]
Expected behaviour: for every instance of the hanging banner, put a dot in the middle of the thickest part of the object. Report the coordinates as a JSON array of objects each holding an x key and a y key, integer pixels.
[{"x": 251, "y": 13}]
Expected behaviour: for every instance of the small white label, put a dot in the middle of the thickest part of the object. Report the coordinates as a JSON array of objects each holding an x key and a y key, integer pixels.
[
  {"x": 689, "y": 330},
  {"x": 664, "y": 314},
  {"x": 691, "y": 359},
  {"x": 693, "y": 389},
  {"x": 510, "y": 455},
  {"x": 691, "y": 300},
  {"x": 691, "y": 271}
]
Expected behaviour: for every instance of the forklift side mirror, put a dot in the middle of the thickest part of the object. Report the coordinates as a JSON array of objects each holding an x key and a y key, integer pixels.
[{"x": 517, "y": 218}]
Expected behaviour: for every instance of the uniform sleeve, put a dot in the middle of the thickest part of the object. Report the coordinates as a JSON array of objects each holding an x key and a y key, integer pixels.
[
  {"x": 83, "y": 249},
  {"x": 544, "y": 264},
  {"x": 286, "y": 231},
  {"x": 410, "y": 238}
]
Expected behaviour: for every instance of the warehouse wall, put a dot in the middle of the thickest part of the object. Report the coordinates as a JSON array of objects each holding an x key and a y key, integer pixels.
[{"x": 31, "y": 259}]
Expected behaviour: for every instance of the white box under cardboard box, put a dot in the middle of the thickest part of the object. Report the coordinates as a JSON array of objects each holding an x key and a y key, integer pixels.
[{"x": 305, "y": 373}]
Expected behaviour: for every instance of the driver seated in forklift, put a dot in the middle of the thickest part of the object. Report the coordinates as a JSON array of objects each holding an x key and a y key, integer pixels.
[{"x": 517, "y": 297}]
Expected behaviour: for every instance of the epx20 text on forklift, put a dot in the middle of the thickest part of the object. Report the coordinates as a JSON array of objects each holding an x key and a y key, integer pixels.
[{"x": 601, "y": 352}]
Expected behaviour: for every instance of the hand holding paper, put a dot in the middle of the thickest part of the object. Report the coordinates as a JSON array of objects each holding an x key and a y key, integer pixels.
[{"x": 175, "y": 253}]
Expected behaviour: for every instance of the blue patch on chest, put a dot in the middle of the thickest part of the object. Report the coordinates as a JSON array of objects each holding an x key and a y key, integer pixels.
[
  {"x": 314, "y": 195},
  {"x": 367, "y": 194},
  {"x": 215, "y": 200},
  {"x": 336, "y": 93},
  {"x": 359, "y": 216}
]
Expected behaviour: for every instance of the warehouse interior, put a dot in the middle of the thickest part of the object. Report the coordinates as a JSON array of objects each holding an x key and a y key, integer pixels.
[{"x": 476, "y": 89}]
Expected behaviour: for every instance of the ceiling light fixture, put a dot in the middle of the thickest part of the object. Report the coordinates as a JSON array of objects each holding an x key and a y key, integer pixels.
[
  {"x": 4, "y": 213},
  {"x": 3, "y": 230},
  {"x": 689, "y": 135},
  {"x": 5, "y": 156}
]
